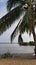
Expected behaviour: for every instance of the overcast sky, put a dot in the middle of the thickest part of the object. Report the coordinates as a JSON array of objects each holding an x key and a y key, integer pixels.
[{"x": 5, "y": 37}]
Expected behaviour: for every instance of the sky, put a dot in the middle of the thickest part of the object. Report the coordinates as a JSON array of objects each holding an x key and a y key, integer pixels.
[
  {"x": 3, "y": 9},
  {"x": 5, "y": 37}
]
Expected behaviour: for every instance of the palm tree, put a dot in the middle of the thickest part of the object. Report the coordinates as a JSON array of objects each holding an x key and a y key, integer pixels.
[{"x": 28, "y": 22}]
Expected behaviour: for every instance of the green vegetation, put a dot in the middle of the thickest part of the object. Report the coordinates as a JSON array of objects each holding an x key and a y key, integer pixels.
[
  {"x": 31, "y": 43},
  {"x": 6, "y": 55}
]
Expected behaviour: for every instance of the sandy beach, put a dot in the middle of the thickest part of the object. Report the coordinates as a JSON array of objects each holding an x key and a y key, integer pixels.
[
  {"x": 19, "y": 60},
  {"x": 15, "y": 61}
]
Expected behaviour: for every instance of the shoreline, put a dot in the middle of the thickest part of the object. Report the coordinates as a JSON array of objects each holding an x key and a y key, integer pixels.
[{"x": 17, "y": 56}]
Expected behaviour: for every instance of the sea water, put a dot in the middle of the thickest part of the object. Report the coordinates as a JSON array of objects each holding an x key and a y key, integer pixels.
[{"x": 15, "y": 48}]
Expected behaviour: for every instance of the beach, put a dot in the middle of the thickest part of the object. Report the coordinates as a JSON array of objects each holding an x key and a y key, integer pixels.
[
  {"x": 17, "y": 61},
  {"x": 20, "y": 55},
  {"x": 26, "y": 59}
]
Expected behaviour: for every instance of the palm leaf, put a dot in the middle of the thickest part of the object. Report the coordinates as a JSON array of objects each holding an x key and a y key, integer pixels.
[
  {"x": 27, "y": 22},
  {"x": 7, "y": 20},
  {"x": 11, "y": 3},
  {"x": 24, "y": 25}
]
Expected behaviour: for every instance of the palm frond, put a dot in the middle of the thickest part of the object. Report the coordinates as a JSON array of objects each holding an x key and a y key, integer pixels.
[
  {"x": 28, "y": 21},
  {"x": 24, "y": 25},
  {"x": 11, "y": 3},
  {"x": 7, "y": 20}
]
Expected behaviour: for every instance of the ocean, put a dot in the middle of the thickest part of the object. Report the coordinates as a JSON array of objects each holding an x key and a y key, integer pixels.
[{"x": 15, "y": 49}]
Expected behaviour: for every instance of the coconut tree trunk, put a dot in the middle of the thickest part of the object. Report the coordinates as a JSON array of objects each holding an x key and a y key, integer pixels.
[
  {"x": 35, "y": 46},
  {"x": 20, "y": 40},
  {"x": 34, "y": 36}
]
